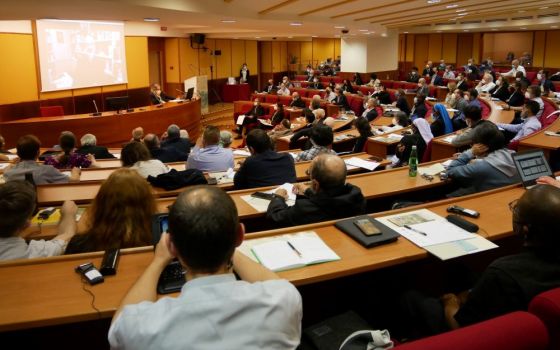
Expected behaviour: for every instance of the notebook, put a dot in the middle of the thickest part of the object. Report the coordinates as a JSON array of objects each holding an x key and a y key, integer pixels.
[
  {"x": 172, "y": 278},
  {"x": 349, "y": 227},
  {"x": 531, "y": 165},
  {"x": 292, "y": 251}
]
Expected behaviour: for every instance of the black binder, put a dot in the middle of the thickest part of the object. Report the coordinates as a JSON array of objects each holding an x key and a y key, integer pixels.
[{"x": 387, "y": 235}]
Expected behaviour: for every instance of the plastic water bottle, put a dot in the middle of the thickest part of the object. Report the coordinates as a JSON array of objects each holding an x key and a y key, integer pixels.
[{"x": 413, "y": 162}]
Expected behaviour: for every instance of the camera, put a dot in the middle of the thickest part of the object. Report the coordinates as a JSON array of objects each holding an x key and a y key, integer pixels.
[{"x": 345, "y": 31}]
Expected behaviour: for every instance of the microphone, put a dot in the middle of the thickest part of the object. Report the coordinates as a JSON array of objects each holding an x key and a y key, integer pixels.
[{"x": 97, "y": 113}]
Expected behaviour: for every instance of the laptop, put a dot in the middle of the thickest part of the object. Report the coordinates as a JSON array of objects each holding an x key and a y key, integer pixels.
[
  {"x": 172, "y": 278},
  {"x": 189, "y": 93},
  {"x": 531, "y": 165}
]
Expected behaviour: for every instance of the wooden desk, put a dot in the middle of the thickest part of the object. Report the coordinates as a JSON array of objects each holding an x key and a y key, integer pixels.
[
  {"x": 48, "y": 292},
  {"x": 283, "y": 143},
  {"x": 540, "y": 140},
  {"x": 442, "y": 149},
  {"x": 381, "y": 148},
  {"x": 111, "y": 129}
]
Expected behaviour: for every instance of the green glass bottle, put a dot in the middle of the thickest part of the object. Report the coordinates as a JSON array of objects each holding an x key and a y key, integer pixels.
[{"x": 413, "y": 162}]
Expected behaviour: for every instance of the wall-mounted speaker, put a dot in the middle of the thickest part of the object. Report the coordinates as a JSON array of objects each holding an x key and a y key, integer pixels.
[
  {"x": 217, "y": 52},
  {"x": 198, "y": 38}
]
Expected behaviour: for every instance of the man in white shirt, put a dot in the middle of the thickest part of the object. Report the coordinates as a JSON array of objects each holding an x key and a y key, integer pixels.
[
  {"x": 515, "y": 67},
  {"x": 530, "y": 123},
  {"x": 17, "y": 204},
  {"x": 486, "y": 84},
  {"x": 214, "y": 310},
  {"x": 283, "y": 90}
]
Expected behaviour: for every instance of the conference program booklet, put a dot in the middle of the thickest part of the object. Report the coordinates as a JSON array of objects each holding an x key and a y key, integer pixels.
[{"x": 290, "y": 251}]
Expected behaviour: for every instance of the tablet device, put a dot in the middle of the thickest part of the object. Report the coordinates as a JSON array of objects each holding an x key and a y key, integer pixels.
[
  {"x": 172, "y": 278},
  {"x": 531, "y": 165},
  {"x": 189, "y": 94}
]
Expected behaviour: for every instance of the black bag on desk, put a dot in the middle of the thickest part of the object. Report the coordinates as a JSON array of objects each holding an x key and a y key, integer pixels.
[
  {"x": 349, "y": 227},
  {"x": 177, "y": 179}
]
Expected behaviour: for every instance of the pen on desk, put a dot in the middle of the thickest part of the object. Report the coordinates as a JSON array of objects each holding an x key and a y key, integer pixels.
[
  {"x": 294, "y": 249},
  {"x": 415, "y": 230}
]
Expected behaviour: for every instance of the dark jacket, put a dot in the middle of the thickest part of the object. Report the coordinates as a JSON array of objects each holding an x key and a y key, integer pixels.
[
  {"x": 501, "y": 92},
  {"x": 180, "y": 145},
  {"x": 402, "y": 104},
  {"x": 256, "y": 111},
  {"x": 438, "y": 81},
  {"x": 413, "y": 78},
  {"x": 341, "y": 101},
  {"x": 168, "y": 155},
  {"x": 516, "y": 99},
  {"x": 269, "y": 88},
  {"x": 265, "y": 169},
  {"x": 335, "y": 203},
  {"x": 347, "y": 88},
  {"x": 99, "y": 152},
  {"x": 420, "y": 111},
  {"x": 371, "y": 115},
  {"x": 165, "y": 97},
  {"x": 548, "y": 85},
  {"x": 462, "y": 85},
  {"x": 408, "y": 141},
  {"x": 177, "y": 179},
  {"x": 316, "y": 85},
  {"x": 384, "y": 98},
  {"x": 360, "y": 143},
  {"x": 298, "y": 103}
]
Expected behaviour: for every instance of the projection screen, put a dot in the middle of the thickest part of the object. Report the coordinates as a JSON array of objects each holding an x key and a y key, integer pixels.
[{"x": 78, "y": 54}]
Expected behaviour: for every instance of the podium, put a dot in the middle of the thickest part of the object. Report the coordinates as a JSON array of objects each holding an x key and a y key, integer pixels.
[{"x": 200, "y": 85}]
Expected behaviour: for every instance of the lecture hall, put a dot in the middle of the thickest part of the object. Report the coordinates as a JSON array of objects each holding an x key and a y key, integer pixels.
[{"x": 280, "y": 174}]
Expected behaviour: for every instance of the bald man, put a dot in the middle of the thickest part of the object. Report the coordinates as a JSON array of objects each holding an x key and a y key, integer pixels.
[
  {"x": 515, "y": 67},
  {"x": 163, "y": 154},
  {"x": 329, "y": 196},
  {"x": 297, "y": 101}
]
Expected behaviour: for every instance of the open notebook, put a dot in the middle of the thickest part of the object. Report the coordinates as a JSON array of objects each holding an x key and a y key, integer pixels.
[{"x": 291, "y": 251}]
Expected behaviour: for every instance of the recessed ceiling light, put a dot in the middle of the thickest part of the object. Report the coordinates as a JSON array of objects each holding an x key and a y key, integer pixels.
[
  {"x": 228, "y": 21},
  {"x": 439, "y": 31},
  {"x": 353, "y": 34},
  {"x": 151, "y": 19},
  {"x": 406, "y": 32},
  {"x": 543, "y": 8},
  {"x": 494, "y": 29},
  {"x": 290, "y": 37},
  {"x": 460, "y": 10},
  {"x": 433, "y": 1},
  {"x": 553, "y": 27},
  {"x": 314, "y": 36},
  {"x": 236, "y": 38},
  {"x": 364, "y": 30},
  {"x": 384, "y": 35},
  {"x": 523, "y": 28},
  {"x": 296, "y": 23},
  {"x": 521, "y": 11},
  {"x": 257, "y": 37},
  {"x": 339, "y": 27},
  {"x": 465, "y": 30},
  {"x": 451, "y": 6},
  {"x": 462, "y": 14},
  {"x": 452, "y": 19}
]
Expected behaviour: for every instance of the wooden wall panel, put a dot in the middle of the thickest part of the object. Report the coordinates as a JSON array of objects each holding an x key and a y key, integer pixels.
[
  {"x": 266, "y": 56},
  {"x": 552, "y": 51},
  {"x": 476, "y": 51},
  {"x": 497, "y": 45},
  {"x": 539, "y": 44},
  {"x": 449, "y": 45},
  {"x": 251, "y": 56},
  {"x": 188, "y": 58},
  {"x": 17, "y": 68},
  {"x": 323, "y": 48},
  {"x": 238, "y": 57},
  {"x": 276, "y": 65},
  {"x": 420, "y": 50},
  {"x": 283, "y": 56},
  {"x": 307, "y": 53},
  {"x": 294, "y": 50},
  {"x": 172, "y": 60},
  {"x": 435, "y": 43},
  {"x": 137, "y": 65},
  {"x": 409, "y": 48},
  {"x": 464, "y": 48},
  {"x": 337, "y": 44},
  {"x": 223, "y": 62}
]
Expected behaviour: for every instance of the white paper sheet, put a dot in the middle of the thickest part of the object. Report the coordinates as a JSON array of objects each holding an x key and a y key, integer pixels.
[
  {"x": 361, "y": 163},
  {"x": 240, "y": 119}
]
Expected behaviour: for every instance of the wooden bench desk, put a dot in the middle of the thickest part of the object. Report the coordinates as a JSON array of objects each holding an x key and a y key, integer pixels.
[
  {"x": 42, "y": 292},
  {"x": 540, "y": 140}
]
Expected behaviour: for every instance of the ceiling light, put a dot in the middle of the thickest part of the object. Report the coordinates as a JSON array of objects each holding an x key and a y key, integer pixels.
[
  {"x": 406, "y": 32},
  {"x": 364, "y": 30},
  {"x": 451, "y": 6},
  {"x": 151, "y": 19},
  {"x": 543, "y": 8},
  {"x": 339, "y": 27},
  {"x": 521, "y": 11},
  {"x": 554, "y": 27},
  {"x": 439, "y": 31},
  {"x": 384, "y": 35},
  {"x": 228, "y": 21},
  {"x": 314, "y": 36},
  {"x": 462, "y": 14},
  {"x": 523, "y": 28},
  {"x": 433, "y": 1},
  {"x": 290, "y": 37},
  {"x": 465, "y": 30},
  {"x": 460, "y": 10},
  {"x": 257, "y": 37},
  {"x": 452, "y": 19},
  {"x": 296, "y": 23}
]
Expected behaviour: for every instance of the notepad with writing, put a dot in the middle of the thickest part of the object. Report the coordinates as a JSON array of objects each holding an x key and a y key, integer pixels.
[{"x": 293, "y": 251}]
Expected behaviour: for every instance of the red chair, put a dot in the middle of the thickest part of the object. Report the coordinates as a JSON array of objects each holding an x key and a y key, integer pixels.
[
  {"x": 531, "y": 75},
  {"x": 485, "y": 108},
  {"x": 285, "y": 100},
  {"x": 357, "y": 105},
  {"x": 432, "y": 90},
  {"x": 427, "y": 156},
  {"x": 270, "y": 98},
  {"x": 515, "y": 331},
  {"x": 51, "y": 111},
  {"x": 546, "y": 306},
  {"x": 548, "y": 116},
  {"x": 246, "y": 107}
]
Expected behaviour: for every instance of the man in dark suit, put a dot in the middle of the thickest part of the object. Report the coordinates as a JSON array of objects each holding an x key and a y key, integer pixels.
[
  {"x": 250, "y": 117},
  {"x": 428, "y": 69},
  {"x": 165, "y": 155},
  {"x": 436, "y": 79},
  {"x": 265, "y": 167},
  {"x": 297, "y": 101},
  {"x": 174, "y": 140},
  {"x": 316, "y": 84},
  {"x": 89, "y": 146},
  {"x": 413, "y": 76},
  {"x": 544, "y": 83},
  {"x": 328, "y": 198},
  {"x": 269, "y": 87},
  {"x": 341, "y": 100},
  {"x": 157, "y": 96}
]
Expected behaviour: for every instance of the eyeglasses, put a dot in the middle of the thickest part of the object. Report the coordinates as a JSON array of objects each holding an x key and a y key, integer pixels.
[{"x": 427, "y": 177}]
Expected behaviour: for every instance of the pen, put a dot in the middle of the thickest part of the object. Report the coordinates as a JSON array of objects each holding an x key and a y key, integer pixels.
[
  {"x": 294, "y": 249},
  {"x": 415, "y": 230}
]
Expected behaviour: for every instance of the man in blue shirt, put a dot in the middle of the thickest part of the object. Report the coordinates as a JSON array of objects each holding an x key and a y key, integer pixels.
[{"x": 207, "y": 155}]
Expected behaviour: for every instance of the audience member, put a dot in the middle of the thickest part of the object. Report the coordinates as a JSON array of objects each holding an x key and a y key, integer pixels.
[
  {"x": 305, "y": 130},
  {"x": 450, "y": 97},
  {"x": 3, "y": 153},
  {"x": 487, "y": 165},
  {"x": 501, "y": 90},
  {"x": 315, "y": 102},
  {"x": 310, "y": 73},
  {"x": 358, "y": 79},
  {"x": 135, "y": 155},
  {"x": 283, "y": 90},
  {"x": 137, "y": 134},
  {"x": 244, "y": 74},
  {"x": 441, "y": 124},
  {"x": 328, "y": 198},
  {"x": 423, "y": 88},
  {"x": 364, "y": 128},
  {"x": 120, "y": 215},
  {"x": 89, "y": 146},
  {"x": 374, "y": 82},
  {"x": 436, "y": 79},
  {"x": 330, "y": 96},
  {"x": 207, "y": 155},
  {"x": 215, "y": 307},
  {"x": 265, "y": 167},
  {"x": 460, "y": 104},
  {"x": 413, "y": 76},
  {"x": 69, "y": 158},
  {"x": 28, "y": 147},
  {"x": 226, "y": 138},
  {"x": 400, "y": 120},
  {"x": 297, "y": 101},
  {"x": 315, "y": 84},
  {"x": 486, "y": 84},
  {"x": 544, "y": 83},
  {"x": 471, "y": 70},
  {"x": 530, "y": 122},
  {"x": 347, "y": 86},
  {"x": 270, "y": 87},
  {"x": 401, "y": 102},
  {"x": 383, "y": 97},
  {"x": 419, "y": 109},
  {"x": 515, "y": 67},
  {"x": 157, "y": 96},
  {"x": 251, "y": 117},
  {"x": 462, "y": 82},
  {"x": 17, "y": 204},
  {"x": 341, "y": 100},
  {"x": 321, "y": 140},
  {"x": 428, "y": 69},
  {"x": 175, "y": 141},
  {"x": 282, "y": 129},
  {"x": 471, "y": 96},
  {"x": 370, "y": 113},
  {"x": 473, "y": 119},
  {"x": 165, "y": 155},
  {"x": 420, "y": 137},
  {"x": 517, "y": 98},
  {"x": 448, "y": 73}
]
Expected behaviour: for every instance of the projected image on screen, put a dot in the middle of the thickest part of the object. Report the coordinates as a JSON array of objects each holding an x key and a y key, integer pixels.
[{"x": 77, "y": 54}]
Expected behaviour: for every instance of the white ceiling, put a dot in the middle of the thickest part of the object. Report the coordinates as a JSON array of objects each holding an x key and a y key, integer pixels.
[{"x": 265, "y": 19}]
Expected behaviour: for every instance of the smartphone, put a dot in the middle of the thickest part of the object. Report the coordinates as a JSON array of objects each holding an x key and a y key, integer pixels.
[
  {"x": 367, "y": 227},
  {"x": 460, "y": 210}
]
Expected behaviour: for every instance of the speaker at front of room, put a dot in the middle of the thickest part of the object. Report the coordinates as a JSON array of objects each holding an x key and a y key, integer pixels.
[
  {"x": 198, "y": 38},
  {"x": 217, "y": 52}
]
